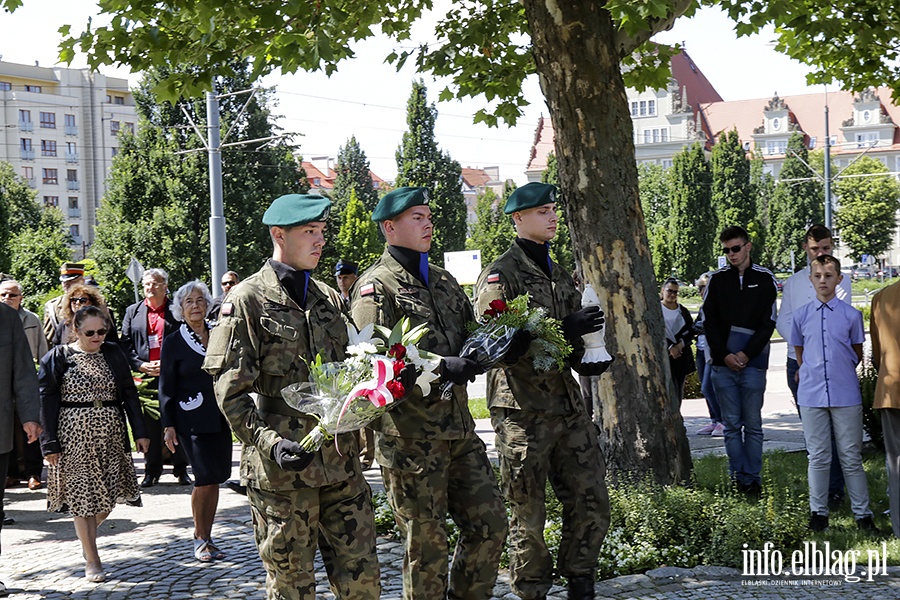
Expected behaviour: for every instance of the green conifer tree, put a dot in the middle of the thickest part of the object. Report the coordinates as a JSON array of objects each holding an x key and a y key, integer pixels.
[
  {"x": 561, "y": 244},
  {"x": 492, "y": 232},
  {"x": 359, "y": 239},
  {"x": 690, "y": 236}
]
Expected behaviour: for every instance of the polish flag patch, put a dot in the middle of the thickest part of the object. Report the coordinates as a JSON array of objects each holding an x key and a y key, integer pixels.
[
  {"x": 227, "y": 309},
  {"x": 367, "y": 290},
  {"x": 493, "y": 278}
]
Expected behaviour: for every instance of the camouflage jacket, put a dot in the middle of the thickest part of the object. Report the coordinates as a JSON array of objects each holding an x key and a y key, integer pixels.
[
  {"x": 258, "y": 346},
  {"x": 386, "y": 293},
  {"x": 519, "y": 386}
]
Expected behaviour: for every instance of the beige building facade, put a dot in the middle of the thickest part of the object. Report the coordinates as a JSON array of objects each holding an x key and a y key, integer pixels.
[{"x": 59, "y": 128}]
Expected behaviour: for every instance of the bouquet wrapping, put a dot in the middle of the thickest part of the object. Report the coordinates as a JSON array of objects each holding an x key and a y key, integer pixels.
[
  {"x": 492, "y": 337},
  {"x": 345, "y": 396}
]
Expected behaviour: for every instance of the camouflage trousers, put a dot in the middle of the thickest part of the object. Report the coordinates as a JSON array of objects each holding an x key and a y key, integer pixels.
[
  {"x": 425, "y": 480},
  {"x": 533, "y": 448},
  {"x": 337, "y": 518}
]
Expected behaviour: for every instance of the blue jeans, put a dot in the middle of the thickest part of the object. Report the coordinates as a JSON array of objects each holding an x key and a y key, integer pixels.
[
  {"x": 741, "y": 398},
  {"x": 704, "y": 374},
  {"x": 836, "y": 478}
]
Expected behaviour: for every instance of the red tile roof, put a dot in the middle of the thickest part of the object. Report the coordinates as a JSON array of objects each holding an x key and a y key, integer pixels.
[
  {"x": 326, "y": 180},
  {"x": 475, "y": 178}
]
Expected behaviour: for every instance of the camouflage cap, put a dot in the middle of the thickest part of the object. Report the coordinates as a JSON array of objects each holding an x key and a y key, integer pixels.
[
  {"x": 398, "y": 201},
  {"x": 530, "y": 195},
  {"x": 297, "y": 209}
]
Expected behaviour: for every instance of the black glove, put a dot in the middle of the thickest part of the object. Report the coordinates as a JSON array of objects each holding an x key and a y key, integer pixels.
[
  {"x": 519, "y": 345},
  {"x": 407, "y": 378},
  {"x": 593, "y": 369},
  {"x": 291, "y": 456},
  {"x": 587, "y": 320},
  {"x": 459, "y": 370}
]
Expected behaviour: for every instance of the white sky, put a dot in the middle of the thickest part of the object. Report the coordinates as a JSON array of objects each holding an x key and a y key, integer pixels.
[{"x": 367, "y": 98}]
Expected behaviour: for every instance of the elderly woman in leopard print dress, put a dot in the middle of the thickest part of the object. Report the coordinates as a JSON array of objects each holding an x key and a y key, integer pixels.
[{"x": 86, "y": 392}]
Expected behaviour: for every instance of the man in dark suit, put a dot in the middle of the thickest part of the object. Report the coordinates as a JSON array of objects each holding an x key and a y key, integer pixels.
[
  {"x": 18, "y": 389},
  {"x": 145, "y": 325}
]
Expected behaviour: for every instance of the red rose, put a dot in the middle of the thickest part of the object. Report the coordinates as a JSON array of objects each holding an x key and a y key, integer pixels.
[
  {"x": 399, "y": 365},
  {"x": 499, "y": 306},
  {"x": 396, "y": 388},
  {"x": 397, "y": 351}
]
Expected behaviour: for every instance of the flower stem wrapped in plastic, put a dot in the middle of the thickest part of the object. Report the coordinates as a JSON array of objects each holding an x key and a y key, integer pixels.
[{"x": 381, "y": 368}]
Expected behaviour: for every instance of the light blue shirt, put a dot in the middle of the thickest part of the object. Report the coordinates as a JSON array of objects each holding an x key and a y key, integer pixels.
[{"x": 827, "y": 333}]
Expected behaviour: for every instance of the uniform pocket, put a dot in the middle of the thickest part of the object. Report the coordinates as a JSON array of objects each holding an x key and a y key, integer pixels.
[
  {"x": 280, "y": 347},
  {"x": 414, "y": 308}
]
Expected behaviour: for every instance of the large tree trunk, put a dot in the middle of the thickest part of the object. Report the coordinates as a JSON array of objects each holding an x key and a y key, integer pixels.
[{"x": 576, "y": 59}]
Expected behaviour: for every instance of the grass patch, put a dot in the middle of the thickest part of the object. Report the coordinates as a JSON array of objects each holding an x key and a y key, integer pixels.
[
  {"x": 706, "y": 522},
  {"x": 478, "y": 408}
]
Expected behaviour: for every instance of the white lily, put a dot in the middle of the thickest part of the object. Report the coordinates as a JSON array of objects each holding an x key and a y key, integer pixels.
[
  {"x": 361, "y": 342},
  {"x": 427, "y": 366}
]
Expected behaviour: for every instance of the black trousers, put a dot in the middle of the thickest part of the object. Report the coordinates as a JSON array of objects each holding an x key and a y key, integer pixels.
[
  {"x": 26, "y": 460},
  {"x": 4, "y": 464},
  {"x": 153, "y": 460}
]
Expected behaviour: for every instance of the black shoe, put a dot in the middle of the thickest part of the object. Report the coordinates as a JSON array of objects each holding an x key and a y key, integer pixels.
[
  {"x": 184, "y": 479},
  {"x": 867, "y": 524},
  {"x": 149, "y": 481},
  {"x": 835, "y": 500},
  {"x": 236, "y": 487},
  {"x": 819, "y": 522},
  {"x": 9, "y": 521},
  {"x": 581, "y": 588},
  {"x": 751, "y": 490}
]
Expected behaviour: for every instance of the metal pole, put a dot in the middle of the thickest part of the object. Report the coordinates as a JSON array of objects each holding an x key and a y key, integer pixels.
[
  {"x": 827, "y": 169},
  {"x": 218, "y": 257}
]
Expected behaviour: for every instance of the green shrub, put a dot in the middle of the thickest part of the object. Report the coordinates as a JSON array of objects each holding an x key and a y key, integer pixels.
[{"x": 692, "y": 386}]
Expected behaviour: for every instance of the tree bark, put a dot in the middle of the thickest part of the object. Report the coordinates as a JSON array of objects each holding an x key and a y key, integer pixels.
[{"x": 574, "y": 46}]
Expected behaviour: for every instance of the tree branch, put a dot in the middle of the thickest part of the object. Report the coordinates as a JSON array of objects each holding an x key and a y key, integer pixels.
[{"x": 628, "y": 44}]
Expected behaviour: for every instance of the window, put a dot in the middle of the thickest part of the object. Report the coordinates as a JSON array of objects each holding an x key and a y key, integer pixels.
[
  {"x": 71, "y": 174},
  {"x": 24, "y": 116},
  {"x": 51, "y": 200},
  {"x": 118, "y": 100},
  {"x": 648, "y": 136},
  {"x": 114, "y": 151},
  {"x": 129, "y": 127},
  {"x": 73, "y": 202},
  {"x": 666, "y": 163},
  {"x": 643, "y": 108},
  {"x": 33, "y": 88},
  {"x": 114, "y": 127},
  {"x": 108, "y": 99},
  {"x": 664, "y": 134},
  {"x": 316, "y": 181},
  {"x": 776, "y": 147},
  {"x": 5, "y": 86},
  {"x": 656, "y": 136},
  {"x": 75, "y": 231},
  {"x": 28, "y": 173},
  {"x": 812, "y": 142},
  {"x": 634, "y": 108},
  {"x": 25, "y": 144},
  {"x": 70, "y": 120},
  {"x": 70, "y": 148},
  {"x": 50, "y": 176},
  {"x": 48, "y": 147},
  {"x": 651, "y": 107},
  {"x": 48, "y": 120},
  {"x": 867, "y": 139}
]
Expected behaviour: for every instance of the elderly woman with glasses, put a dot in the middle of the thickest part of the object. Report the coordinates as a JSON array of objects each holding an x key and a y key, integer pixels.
[
  {"x": 679, "y": 334},
  {"x": 190, "y": 415},
  {"x": 86, "y": 394},
  {"x": 76, "y": 298}
]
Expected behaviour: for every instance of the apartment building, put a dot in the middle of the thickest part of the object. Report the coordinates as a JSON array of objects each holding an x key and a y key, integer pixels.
[{"x": 59, "y": 128}]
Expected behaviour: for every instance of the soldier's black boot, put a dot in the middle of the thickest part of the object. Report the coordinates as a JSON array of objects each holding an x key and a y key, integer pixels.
[{"x": 581, "y": 588}]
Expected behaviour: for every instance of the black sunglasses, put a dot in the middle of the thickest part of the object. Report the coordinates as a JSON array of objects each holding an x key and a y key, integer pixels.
[
  {"x": 733, "y": 249},
  {"x": 80, "y": 300},
  {"x": 93, "y": 332}
]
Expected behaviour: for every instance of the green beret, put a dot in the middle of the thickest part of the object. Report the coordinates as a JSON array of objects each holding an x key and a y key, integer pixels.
[
  {"x": 297, "y": 209},
  {"x": 530, "y": 195},
  {"x": 398, "y": 201}
]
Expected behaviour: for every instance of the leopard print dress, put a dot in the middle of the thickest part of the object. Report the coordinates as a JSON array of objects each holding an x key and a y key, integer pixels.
[{"x": 95, "y": 470}]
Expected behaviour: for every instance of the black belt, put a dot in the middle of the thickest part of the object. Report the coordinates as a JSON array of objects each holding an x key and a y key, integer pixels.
[
  {"x": 66, "y": 404},
  {"x": 276, "y": 406}
]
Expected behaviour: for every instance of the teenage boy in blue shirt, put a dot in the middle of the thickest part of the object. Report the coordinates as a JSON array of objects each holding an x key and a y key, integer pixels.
[{"x": 828, "y": 336}]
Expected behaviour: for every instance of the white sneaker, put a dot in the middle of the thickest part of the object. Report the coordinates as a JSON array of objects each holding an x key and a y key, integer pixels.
[
  {"x": 707, "y": 430},
  {"x": 719, "y": 430}
]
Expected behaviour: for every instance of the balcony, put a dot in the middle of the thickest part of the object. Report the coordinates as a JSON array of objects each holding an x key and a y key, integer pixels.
[
  {"x": 73, "y": 185},
  {"x": 26, "y": 126},
  {"x": 74, "y": 213},
  {"x": 71, "y": 157},
  {"x": 26, "y": 154},
  {"x": 71, "y": 130}
]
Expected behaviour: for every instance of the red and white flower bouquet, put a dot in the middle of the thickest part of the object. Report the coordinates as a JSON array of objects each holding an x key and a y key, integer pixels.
[{"x": 345, "y": 396}]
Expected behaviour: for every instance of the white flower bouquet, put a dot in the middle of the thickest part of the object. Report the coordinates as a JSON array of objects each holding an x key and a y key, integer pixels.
[{"x": 380, "y": 367}]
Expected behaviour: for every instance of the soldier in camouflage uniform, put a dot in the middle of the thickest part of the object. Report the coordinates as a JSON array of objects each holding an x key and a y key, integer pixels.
[
  {"x": 542, "y": 428},
  {"x": 432, "y": 461},
  {"x": 268, "y": 325}
]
